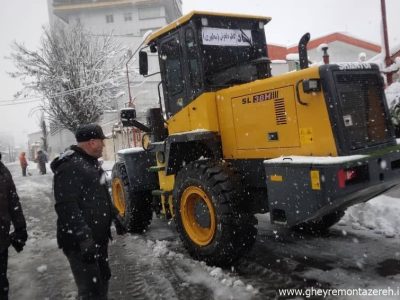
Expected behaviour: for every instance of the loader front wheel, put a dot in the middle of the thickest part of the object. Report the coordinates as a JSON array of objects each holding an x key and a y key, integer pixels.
[
  {"x": 133, "y": 207},
  {"x": 209, "y": 215}
]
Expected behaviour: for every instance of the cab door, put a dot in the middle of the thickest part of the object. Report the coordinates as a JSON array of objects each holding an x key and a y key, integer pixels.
[
  {"x": 174, "y": 85},
  {"x": 171, "y": 64}
]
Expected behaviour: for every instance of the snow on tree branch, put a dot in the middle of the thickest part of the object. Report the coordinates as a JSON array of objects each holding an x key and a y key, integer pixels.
[{"x": 75, "y": 71}]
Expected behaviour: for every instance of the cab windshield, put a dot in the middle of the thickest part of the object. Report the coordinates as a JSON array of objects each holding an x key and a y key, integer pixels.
[{"x": 234, "y": 52}]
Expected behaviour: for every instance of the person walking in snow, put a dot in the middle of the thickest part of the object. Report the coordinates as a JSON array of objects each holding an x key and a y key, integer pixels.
[
  {"x": 23, "y": 162},
  {"x": 10, "y": 212},
  {"x": 85, "y": 212},
  {"x": 41, "y": 159}
]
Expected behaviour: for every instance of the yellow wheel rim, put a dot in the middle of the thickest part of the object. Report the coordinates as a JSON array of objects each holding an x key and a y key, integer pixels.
[
  {"x": 198, "y": 215},
  {"x": 118, "y": 195}
]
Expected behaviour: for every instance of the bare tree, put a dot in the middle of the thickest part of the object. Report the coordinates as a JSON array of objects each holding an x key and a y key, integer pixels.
[{"x": 76, "y": 72}]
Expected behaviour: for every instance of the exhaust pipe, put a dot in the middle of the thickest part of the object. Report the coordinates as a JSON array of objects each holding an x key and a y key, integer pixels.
[
  {"x": 325, "y": 57},
  {"x": 303, "y": 57}
]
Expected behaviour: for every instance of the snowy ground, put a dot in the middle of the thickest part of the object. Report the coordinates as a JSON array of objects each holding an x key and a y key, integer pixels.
[{"x": 362, "y": 251}]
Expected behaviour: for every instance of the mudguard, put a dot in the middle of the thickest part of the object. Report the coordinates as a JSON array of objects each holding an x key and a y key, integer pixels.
[{"x": 137, "y": 163}]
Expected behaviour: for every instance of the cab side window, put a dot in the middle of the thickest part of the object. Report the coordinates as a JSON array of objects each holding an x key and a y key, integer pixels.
[
  {"x": 193, "y": 63},
  {"x": 173, "y": 69},
  {"x": 170, "y": 60}
]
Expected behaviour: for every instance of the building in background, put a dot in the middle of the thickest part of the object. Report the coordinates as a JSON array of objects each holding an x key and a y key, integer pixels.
[
  {"x": 8, "y": 149},
  {"x": 341, "y": 48},
  {"x": 35, "y": 143},
  {"x": 128, "y": 21}
]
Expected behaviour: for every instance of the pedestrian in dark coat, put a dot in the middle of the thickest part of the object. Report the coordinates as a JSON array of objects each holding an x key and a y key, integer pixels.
[
  {"x": 41, "y": 159},
  {"x": 85, "y": 212},
  {"x": 10, "y": 212}
]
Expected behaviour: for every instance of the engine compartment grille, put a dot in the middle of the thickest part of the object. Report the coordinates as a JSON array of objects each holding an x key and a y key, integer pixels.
[
  {"x": 280, "y": 111},
  {"x": 363, "y": 112}
]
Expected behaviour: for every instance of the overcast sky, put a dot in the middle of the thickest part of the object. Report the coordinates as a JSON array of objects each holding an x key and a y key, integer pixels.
[
  {"x": 292, "y": 18},
  {"x": 22, "y": 20}
]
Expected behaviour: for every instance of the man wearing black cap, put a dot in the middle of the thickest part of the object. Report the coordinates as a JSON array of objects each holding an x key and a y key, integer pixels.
[{"x": 85, "y": 212}]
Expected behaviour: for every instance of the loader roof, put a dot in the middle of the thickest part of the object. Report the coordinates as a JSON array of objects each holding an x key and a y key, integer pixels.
[{"x": 186, "y": 18}]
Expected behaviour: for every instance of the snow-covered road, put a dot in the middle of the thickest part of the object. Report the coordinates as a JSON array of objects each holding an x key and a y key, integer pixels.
[{"x": 362, "y": 251}]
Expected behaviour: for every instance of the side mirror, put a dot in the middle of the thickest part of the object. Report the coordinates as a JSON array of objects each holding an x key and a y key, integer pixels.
[
  {"x": 128, "y": 116},
  {"x": 143, "y": 63}
]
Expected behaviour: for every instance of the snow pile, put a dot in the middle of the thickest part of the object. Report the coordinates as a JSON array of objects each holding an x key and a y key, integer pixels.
[
  {"x": 159, "y": 248},
  {"x": 393, "y": 67},
  {"x": 216, "y": 273},
  {"x": 393, "y": 102},
  {"x": 41, "y": 268},
  {"x": 393, "y": 94},
  {"x": 313, "y": 159},
  {"x": 130, "y": 150},
  {"x": 379, "y": 59},
  {"x": 221, "y": 282},
  {"x": 71, "y": 295},
  {"x": 380, "y": 214}
]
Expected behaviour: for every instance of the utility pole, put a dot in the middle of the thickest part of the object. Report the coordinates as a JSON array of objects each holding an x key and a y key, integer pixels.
[{"x": 388, "y": 60}]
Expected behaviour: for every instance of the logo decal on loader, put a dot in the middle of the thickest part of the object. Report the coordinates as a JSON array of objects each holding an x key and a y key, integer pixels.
[
  {"x": 354, "y": 65},
  {"x": 265, "y": 96}
]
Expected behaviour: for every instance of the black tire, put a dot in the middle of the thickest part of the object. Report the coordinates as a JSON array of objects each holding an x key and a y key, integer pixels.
[
  {"x": 321, "y": 225},
  {"x": 209, "y": 213},
  {"x": 134, "y": 207}
]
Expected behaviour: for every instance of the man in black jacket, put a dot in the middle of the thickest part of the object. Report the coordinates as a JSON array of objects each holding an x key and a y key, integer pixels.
[
  {"x": 10, "y": 211},
  {"x": 85, "y": 212}
]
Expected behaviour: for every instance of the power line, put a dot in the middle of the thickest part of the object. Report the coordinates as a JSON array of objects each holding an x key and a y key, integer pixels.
[
  {"x": 17, "y": 102},
  {"x": 114, "y": 35},
  {"x": 30, "y": 100},
  {"x": 11, "y": 102}
]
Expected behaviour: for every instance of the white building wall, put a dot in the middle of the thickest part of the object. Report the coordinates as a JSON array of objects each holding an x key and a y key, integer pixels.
[
  {"x": 340, "y": 52},
  {"x": 59, "y": 141},
  {"x": 95, "y": 20},
  {"x": 279, "y": 67},
  {"x": 8, "y": 148}
]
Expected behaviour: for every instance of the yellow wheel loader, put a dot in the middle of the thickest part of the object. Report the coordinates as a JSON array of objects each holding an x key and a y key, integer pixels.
[{"x": 229, "y": 140}]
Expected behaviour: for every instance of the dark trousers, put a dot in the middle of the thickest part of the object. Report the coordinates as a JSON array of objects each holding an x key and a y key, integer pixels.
[
  {"x": 91, "y": 278},
  {"x": 42, "y": 168},
  {"x": 3, "y": 275},
  {"x": 23, "y": 171}
]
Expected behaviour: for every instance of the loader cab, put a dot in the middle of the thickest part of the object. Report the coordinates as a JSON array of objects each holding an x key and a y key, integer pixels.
[{"x": 203, "y": 52}]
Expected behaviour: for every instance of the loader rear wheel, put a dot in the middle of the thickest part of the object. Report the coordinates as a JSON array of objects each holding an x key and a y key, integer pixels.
[
  {"x": 321, "y": 225},
  {"x": 133, "y": 207},
  {"x": 209, "y": 215}
]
